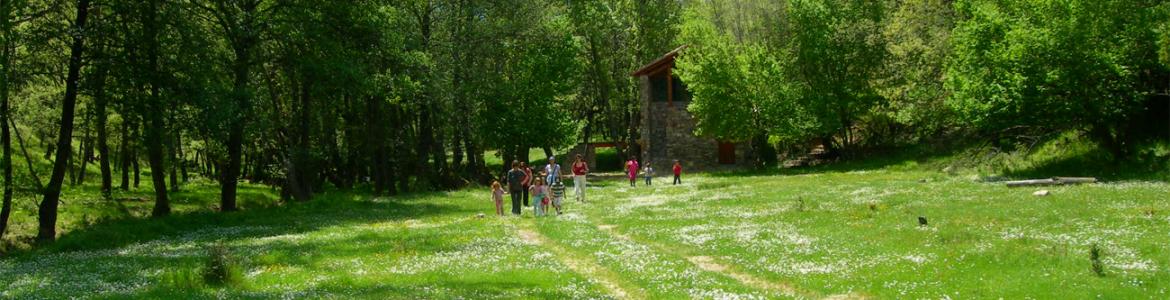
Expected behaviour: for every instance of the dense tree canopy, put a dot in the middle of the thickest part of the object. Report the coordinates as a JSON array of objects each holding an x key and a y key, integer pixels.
[
  {"x": 855, "y": 74},
  {"x": 405, "y": 95}
]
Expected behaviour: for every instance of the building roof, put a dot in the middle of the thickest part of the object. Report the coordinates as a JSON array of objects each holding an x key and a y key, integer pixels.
[{"x": 658, "y": 63}]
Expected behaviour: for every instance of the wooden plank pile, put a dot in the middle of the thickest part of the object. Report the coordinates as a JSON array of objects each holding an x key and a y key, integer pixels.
[{"x": 1051, "y": 181}]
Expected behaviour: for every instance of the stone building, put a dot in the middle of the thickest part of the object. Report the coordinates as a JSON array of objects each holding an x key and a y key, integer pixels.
[{"x": 668, "y": 129}]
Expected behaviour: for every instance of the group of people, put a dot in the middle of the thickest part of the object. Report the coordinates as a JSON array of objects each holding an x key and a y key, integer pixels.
[
  {"x": 548, "y": 191},
  {"x": 648, "y": 171}
]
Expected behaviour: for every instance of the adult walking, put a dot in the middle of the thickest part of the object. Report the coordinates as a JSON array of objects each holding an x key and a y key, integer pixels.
[
  {"x": 516, "y": 186},
  {"x": 632, "y": 169},
  {"x": 580, "y": 170},
  {"x": 527, "y": 181},
  {"x": 552, "y": 171}
]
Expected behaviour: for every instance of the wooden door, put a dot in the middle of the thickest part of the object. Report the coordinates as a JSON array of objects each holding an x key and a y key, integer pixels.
[{"x": 726, "y": 153}]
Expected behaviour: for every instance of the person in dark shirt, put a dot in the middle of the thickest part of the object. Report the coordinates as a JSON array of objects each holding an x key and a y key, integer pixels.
[
  {"x": 527, "y": 182},
  {"x": 516, "y": 186}
]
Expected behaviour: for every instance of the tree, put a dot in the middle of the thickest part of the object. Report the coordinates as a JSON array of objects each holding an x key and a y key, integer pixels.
[
  {"x": 607, "y": 93},
  {"x": 1029, "y": 68},
  {"x": 239, "y": 23},
  {"x": 917, "y": 35},
  {"x": 788, "y": 71},
  {"x": 536, "y": 71},
  {"x": 740, "y": 91},
  {"x": 47, "y": 231},
  {"x": 155, "y": 109}
]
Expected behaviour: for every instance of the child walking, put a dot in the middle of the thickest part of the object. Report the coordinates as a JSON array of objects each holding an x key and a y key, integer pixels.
[
  {"x": 648, "y": 172},
  {"x": 498, "y": 197},
  {"x": 677, "y": 172},
  {"x": 632, "y": 169},
  {"x": 539, "y": 196},
  {"x": 558, "y": 194}
]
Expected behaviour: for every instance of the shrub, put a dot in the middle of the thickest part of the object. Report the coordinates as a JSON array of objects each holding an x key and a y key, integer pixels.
[
  {"x": 1095, "y": 257},
  {"x": 221, "y": 270}
]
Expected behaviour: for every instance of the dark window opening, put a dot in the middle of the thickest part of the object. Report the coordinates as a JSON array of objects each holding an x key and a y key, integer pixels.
[
  {"x": 681, "y": 93},
  {"x": 658, "y": 90}
]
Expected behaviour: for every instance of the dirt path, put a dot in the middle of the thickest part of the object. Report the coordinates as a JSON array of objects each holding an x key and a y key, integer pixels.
[
  {"x": 586, "y": 267},
  {"x": 709, "y": 264}
]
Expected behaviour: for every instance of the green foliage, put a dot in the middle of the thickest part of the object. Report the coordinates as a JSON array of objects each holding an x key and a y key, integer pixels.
[
  {"x": 527, "y": 105},
  {"x": 1050, "y": 64},
  {"x": 1162, "y": 21},
  {"x": 887, "y": 73},
  {"x": 803, "y": 75},
  {"x": 917, "y": 35},
  {"x": 739, "y": 90}
]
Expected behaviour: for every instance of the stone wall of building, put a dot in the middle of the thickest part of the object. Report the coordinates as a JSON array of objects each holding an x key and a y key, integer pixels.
[{"x": 668, "y": 134}]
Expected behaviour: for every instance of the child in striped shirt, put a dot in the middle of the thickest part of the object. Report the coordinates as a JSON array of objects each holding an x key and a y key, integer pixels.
[{"x": 558, "y": 194}]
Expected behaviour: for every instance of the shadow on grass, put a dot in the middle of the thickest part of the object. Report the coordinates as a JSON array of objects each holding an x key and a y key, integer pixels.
[
  {"x": 911, "y": 158},
  {"x": 1086, "y": 161},
  {"x": 444, "y": 287},
  {"x": 330, "y": 209}
]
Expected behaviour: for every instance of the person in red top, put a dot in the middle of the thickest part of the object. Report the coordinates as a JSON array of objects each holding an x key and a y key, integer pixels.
[
  {"x": 580, "y": 169},
  {"x": 677, "y": 172},
  {"x": 632, "y": 169}
]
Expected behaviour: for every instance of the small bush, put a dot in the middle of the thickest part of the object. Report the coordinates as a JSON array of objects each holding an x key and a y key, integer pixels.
[
  {"x": 1095, "y": 257},
  {"x": 183, "y": 279},
  {"x": 221, "y": 270}
]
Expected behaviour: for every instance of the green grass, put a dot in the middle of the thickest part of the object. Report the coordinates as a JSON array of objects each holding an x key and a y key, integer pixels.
[{"x": 843, "y": 230}]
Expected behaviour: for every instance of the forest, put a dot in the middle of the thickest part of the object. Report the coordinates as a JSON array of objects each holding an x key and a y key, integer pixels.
[{"x": 419, "y": 95}]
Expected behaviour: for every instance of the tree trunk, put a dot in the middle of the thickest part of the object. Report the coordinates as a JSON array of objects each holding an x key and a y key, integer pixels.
[
  {"x": 175, "y": 159},
  {"x": 174, "y": 164},
  {"x": 103, "y": 146},
  {"x": 71, "y": 167},
  {"x": 522, "y": 153},
  {"x": 299, "y": 175},
  {"x": 374, "y": 142},
  {"x": 86, "y": 153},
  {"x": 425, "y": 139},
  {"x": 508, "y": 154},
  {"x": 155, "y": 110},
  {"x": 47, "y": 210},
  {"x": 457, "y": 149},
  {"x": 230, "y": 173},
  {"x": 181, "y": 158},
  {"x": 765, "y": 153},
  {"x": 124, "y": 152},
  {"x": 5, "y": 138},
  {"x": 137, "y": 167},
  {"x": 474, "y": 157}
]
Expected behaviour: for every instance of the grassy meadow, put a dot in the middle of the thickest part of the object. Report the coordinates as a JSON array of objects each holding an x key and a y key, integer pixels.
[{"x": 844, "y": 232}]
